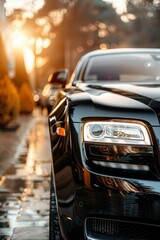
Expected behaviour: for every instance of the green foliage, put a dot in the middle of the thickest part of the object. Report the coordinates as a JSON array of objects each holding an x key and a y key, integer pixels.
[{"x": 9, "y": 101}]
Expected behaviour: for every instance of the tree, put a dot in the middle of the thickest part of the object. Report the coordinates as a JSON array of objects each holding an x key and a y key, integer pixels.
[
  {"x": 9, "y": 99},
  {"x": 72, "y": 33},
  {"x": 79, "y": 32},
  {"x": 100, "y": 27},
  {"x": 21, "y": 81},
  {"x": 3, "y": 60},
  {"x": 75, "y": 27},
  {"x": 144, "y": 29},
  {"x": 21, "y": 75},
  {"x": 76, "y": 32}
]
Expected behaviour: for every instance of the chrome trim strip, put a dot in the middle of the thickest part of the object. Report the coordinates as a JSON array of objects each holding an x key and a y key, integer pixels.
[{"x": 124, "y": 166}]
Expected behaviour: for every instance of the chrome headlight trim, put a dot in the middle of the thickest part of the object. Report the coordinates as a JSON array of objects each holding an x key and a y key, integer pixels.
[{"x": 116, "y": 132}]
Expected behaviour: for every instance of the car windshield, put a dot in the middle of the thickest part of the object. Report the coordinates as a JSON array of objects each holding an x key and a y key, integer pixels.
[{"x": 123, "y": 67}]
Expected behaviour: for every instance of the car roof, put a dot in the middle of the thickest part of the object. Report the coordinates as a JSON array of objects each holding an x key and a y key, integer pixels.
[{"x": 122, "y": 50}]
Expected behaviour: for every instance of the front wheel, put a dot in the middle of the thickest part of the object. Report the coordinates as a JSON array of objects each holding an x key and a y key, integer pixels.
[{"x": 54, "y": 229}]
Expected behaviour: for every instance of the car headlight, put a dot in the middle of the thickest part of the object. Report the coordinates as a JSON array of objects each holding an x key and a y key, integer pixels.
[{"x": 116, "y": 132}]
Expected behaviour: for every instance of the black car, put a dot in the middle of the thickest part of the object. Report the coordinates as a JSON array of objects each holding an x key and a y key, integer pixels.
[{"x": 105, "y": 141}]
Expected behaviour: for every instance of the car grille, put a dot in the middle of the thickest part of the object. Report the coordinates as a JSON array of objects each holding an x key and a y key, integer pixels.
[{"x": 110, "y": 229}]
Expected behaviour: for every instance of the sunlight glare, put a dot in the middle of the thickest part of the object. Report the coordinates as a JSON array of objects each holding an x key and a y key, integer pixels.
[
  {"x": 26, "y": 5},
  {"x": 29, "y": 59},
  {"x": 119, "y": 5},
  {"x": 39, "y": 45},
  {"x": 46, "y": 42},
  {"x": 18, "y": 39},
  {"x": 40, "y": 62}
]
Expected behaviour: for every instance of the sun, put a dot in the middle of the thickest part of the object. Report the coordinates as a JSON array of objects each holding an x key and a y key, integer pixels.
[{"x": 20, "y": 43}]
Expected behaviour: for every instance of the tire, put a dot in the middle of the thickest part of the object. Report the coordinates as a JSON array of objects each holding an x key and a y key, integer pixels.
[{"x": 54, "y": 229}]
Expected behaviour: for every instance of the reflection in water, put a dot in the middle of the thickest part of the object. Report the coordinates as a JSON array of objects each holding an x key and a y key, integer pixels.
[
  {"x": 24, "y": 189},
  {"x": 30, "y": 159},
  {"x": 2, "y": 180}
]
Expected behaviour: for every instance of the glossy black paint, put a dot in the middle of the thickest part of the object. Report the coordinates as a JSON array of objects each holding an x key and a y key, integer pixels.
[{"x": 90, "y": 193}]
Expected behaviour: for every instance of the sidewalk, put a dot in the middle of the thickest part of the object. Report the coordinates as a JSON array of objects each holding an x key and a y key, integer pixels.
[
  {"x": 28, "y": 150},
  {"x": 12, "y": 141}
]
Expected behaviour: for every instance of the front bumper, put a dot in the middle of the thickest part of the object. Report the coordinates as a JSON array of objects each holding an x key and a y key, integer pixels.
[{"x": 110, "y": 208}]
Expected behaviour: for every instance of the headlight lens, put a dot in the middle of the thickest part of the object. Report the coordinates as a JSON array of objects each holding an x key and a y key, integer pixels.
[
  {"x": 116, "y": 132},
  {"x": 97, "y": 131}
]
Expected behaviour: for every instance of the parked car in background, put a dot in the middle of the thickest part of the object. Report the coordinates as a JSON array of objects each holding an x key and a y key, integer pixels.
[
  {"x": 105, "y": 141},
  {"x": 36, "y": 96},
  {"x": 48, "y": 96},
  {"x": 49, "y": 92}
]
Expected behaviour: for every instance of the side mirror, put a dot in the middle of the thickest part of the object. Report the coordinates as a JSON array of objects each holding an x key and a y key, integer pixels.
[{"x": 59, "y": 77}]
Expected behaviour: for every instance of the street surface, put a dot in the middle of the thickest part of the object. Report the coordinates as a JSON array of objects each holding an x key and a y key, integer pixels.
[{"x": 25, "y": 181}]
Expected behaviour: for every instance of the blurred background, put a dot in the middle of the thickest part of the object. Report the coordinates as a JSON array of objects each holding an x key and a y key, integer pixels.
[{"x": 39, "y": 36}]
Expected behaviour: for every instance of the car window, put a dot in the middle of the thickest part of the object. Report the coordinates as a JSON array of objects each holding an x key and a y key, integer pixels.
[{"x": 123, "y": 67}]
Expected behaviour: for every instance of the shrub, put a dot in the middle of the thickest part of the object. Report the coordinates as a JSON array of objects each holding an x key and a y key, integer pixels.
[
  {"x": 27, "y": 103},
  {"x": 9, "y": 101}
]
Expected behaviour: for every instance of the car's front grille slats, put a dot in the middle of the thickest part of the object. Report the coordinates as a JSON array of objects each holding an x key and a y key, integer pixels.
[{"x": 99, "y": 228}]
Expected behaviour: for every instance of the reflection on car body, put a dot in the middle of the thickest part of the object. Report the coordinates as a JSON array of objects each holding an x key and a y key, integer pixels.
[
  {"x": 49, "y": 93},
  {"x": 48, "y": 96},
  {"x": 105, "y": 134}
]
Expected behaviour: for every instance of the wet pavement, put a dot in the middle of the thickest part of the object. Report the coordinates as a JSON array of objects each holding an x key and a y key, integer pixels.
[{"x": 25, "y": 180}]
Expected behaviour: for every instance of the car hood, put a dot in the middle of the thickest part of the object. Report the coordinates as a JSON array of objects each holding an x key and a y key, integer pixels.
[{"x": 123, "y": 95}]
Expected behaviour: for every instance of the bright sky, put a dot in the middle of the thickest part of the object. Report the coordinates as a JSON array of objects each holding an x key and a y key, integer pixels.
[
  {"x": 33, "y": 6},
  {"x": 119, "y": 5},
  {"x": 28, "y": 5}
]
